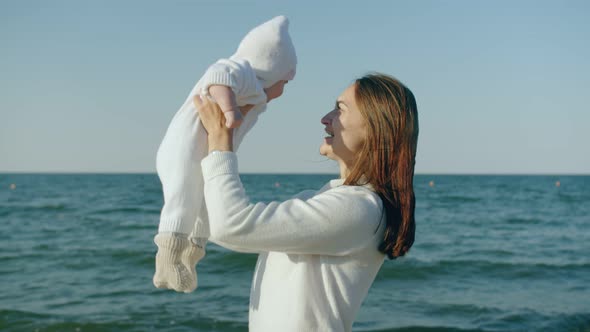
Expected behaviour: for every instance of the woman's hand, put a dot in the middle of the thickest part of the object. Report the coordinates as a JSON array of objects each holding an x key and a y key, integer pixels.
[{"x": 220, "y": 137}]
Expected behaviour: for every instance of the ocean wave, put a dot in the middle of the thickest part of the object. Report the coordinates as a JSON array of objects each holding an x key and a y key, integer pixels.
[
  {"x": 139, "y": 258},
  {"x": 419, "y": 328},
  {"x": 232, "y": 261},
  {"x": 127, "y": 209},
  {"x": 415, "y": 269},
  {"x": 458, "y": 199},
  {"x": 43, "y": 207},
  {"x": 15, "y": 320},
  {"x": 579, "y": 322},
  {"x": 523, "y": 220},
  {"x": 572, "y": 198},
  {"x": 460, "y": 309},
  {"x": 536, "y": 321}
]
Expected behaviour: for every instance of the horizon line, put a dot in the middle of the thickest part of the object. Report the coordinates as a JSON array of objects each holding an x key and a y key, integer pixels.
[{"x": 291, "y": 173}]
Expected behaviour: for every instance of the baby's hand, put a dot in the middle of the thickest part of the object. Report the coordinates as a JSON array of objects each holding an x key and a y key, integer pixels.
[{"x": 233, "y": 118}]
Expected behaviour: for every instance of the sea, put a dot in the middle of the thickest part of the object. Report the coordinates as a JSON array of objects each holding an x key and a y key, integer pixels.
[{"x": 492, "y": 253}]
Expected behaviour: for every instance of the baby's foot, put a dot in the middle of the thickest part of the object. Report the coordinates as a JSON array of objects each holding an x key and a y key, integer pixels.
[{"x": 175, "y": 262}]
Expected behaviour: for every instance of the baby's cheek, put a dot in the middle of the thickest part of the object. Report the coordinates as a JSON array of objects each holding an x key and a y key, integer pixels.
[
  {"x": 279, "y": 90},
  {"x": 279, "y": 93}
]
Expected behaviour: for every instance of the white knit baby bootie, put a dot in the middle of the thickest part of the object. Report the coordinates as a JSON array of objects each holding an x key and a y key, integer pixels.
[{"x": 175, "y": 262}]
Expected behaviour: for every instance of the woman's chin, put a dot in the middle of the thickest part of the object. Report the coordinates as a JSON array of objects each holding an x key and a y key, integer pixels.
[{"x": 325, "y": 150}]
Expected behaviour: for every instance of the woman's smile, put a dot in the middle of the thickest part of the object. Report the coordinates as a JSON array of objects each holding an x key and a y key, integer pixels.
[{"x": 329, "y": 134}]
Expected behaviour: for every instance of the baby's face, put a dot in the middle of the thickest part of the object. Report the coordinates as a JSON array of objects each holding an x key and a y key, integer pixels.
[{"x": 275, "y": 90}]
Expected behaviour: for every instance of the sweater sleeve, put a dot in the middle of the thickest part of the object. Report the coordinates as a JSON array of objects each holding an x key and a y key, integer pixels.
[
  {"x": 236, "y": 74},
  {"x": 339, "y": 221}
]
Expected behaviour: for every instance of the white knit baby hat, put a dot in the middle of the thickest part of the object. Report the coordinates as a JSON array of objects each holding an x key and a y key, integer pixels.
[{"x": 270, "y": 51}]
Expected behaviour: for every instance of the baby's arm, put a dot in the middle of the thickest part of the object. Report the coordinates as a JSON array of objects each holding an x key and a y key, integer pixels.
[
  {"x": 225, "y": 80},
  {"x": 225, "y": 97}
]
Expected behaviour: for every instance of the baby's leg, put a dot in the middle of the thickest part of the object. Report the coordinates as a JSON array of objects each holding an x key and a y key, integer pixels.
[{"x": 179, "y": 168}]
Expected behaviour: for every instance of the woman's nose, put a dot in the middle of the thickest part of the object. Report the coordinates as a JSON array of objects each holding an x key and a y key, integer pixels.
[{"x": 326, "y": 119}]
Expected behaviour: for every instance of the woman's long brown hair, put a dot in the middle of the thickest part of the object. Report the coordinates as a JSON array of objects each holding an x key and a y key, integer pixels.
[{"x": 387, "y": 158}]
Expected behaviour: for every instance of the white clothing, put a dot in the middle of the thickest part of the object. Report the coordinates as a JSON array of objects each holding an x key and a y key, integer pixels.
[
  {"x": 178, "y": 161},
  {"x": 317, "y": 251},
  {"x": 270, "y": 51},
  {"x": 265, "y": 56}
]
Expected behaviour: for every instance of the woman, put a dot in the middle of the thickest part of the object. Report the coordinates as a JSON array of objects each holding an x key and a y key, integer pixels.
[{"x": 320, "y": 251}]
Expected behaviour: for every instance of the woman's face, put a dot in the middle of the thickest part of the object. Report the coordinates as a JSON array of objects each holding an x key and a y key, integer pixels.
[{"x": 345, "y": 128}]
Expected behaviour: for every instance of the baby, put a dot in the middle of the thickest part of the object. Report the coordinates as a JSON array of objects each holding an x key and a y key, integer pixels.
[{"x": 263, "y": 63}]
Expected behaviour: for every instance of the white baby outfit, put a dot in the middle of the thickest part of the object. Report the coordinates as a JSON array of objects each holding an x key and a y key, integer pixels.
[{"x": 265, "y": 56}]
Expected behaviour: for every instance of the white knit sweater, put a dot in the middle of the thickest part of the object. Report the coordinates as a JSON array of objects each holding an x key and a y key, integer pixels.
[{"x": 317, "y": 251}]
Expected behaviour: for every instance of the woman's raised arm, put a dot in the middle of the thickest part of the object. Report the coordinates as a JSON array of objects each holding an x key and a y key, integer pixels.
[{"x": 338, "y": 221}]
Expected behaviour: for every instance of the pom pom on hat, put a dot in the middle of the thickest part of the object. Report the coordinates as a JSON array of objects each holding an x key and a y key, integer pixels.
[{"x": 270, "y": 51}]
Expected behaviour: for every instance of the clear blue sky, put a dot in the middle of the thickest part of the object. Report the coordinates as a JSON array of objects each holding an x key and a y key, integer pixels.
[{"x": 502, "y": 86}]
